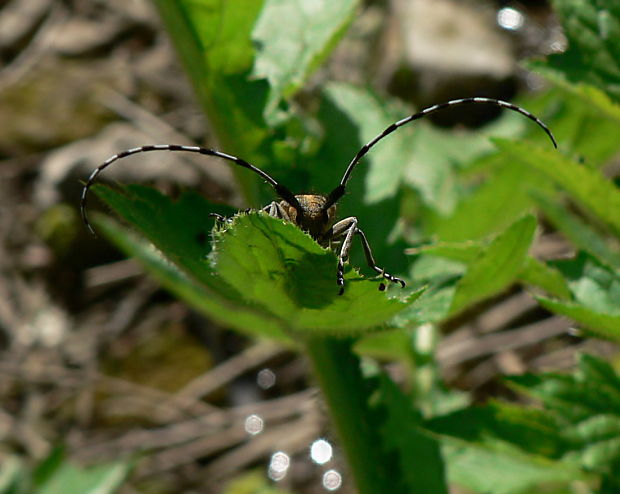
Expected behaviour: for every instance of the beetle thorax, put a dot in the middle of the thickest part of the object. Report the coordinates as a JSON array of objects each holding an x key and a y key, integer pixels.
[{"x": 314, "y": 220}]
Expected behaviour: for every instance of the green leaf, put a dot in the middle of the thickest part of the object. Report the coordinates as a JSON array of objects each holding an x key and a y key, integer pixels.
[
  {"x": 537, "y": 273},
  {"x": 489, "y": 472},
  {"x": 533, "y": 431},
  {"x": 592, "y": 283},
  {"x": 586, "y": 406},
  {"x": 12, "y": 475},
  {"x": 261, "y": 267},
  {"x": 457, "y": 251},
  {"x": 493, "y": 206},
  {"x": 534, "y": 272},
  {"x": 587, "y": 186},
  {"x": 371, "y": 115},
  {"x": 503, "y": 448},
  {"x": 435, "y": 155},
  {"x": 253, "y": 482},
  {"x": 293, "y": 38},
  {"x": 498, "y": 266},
  {"x": 214, "y": 43},
  {"x": 605, "y": 325},
  {"x": 587, "y": 123},
  {"x": 582, "y": 235},
  {"x": 216, "y": 305},
  {"x": 417, "y": 154},
  {"x": 101, "y": 479},
  {"x": 572, "y": 434},
  {"x": 590, "y": 390},
  {"x": 593, "y": 54},
  {"x": 420, "y": 465},
  {"x": 274, "y": 264}
]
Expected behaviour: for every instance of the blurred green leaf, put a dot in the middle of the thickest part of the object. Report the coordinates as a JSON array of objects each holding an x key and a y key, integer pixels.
[
  {"x": 596, "y": 194},
  {"x": 592, "y": 283},
  {"x": 603, "y": 324},
  {"x": 370, "y": 115},
  {"x": 214, "y": 43},
  {"x": 429, "y": 165},
  {"x": 503, "y": 448},
  {"x": 593, "y": 388},
  {"x": 586, "y": 406},
  {"x": 433, "y": 306},
  {"x": 260, "y": 267},
  {"x": 595, "y": 290},
  {"x": 593, "y": 54},
  {"x": 457, "y": 251},
  {"x": 213, "y": 40},
  {"x": 497, "y": 267},
  {"x": 255, "y": 482},
  {"x": 493, "y": 206},
  {"x": 292, "y": 38},
  {"x": 537, "y": 273},
  {"x": 581, "y": 235},
  {"x": 46, "y": 468},
  {"x": 402, "y": 437},
  {"x": 508, "y": 472},
  {"x": 215, "y": 305},
  {"x": 534, "y": 272},
  {"x": 12, "y": 475},
  {"x": 584, "y": 120},
  {"x": 573, "y": 435},
  {"x": 100, "y": 479},
  {"x": 435, "y": 155},
  {"x": 418, "y": 154},
  {"x": 587, "y": 131}
]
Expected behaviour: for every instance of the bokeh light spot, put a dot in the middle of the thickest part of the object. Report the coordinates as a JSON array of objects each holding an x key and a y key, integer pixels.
[
  {"x": 321, "y": 451},
  {"x": 266, "y": 378},
  {"x": 332, "y": 480},
  {"x": 254, "y": 424}
]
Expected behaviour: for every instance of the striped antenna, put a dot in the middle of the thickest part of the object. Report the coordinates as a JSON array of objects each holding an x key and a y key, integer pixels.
[
  {"x": 338, "y": 192},
  {"x": 281, "y": 190}
]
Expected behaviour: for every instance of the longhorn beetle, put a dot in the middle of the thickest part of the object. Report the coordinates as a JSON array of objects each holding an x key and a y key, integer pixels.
[{"x": 315, "y": 214}]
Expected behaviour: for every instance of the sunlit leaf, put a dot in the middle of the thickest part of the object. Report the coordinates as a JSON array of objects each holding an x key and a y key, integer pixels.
[
  {"x": 595, "y": 193},
  {"x": 593, "y": 54},
  {"x": 275, "y": 265},
  {"x": 498, "y": 266},
  {"x": 493, "y": 206},
  {"x": 571, "y": 435},
  {"x": 293, "y": 38},
  {"x": 371, "y": 115},
  {"x": 260, "y": 267}
]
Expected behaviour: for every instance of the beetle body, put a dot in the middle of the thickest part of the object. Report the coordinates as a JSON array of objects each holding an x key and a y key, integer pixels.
[
  {"x": 316, "y": 214},
  {"x": 315, "y": 220}
]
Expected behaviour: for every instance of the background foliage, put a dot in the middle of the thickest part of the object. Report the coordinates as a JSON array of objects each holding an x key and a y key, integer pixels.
[{"x": 459, "y": 214}]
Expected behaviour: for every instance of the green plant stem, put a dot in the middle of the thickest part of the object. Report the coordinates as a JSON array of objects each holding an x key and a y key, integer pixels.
[{"x": 337, "y": 371}]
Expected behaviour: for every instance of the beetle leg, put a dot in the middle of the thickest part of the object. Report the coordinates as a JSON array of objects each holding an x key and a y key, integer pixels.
[
  {"x": 276, "y": 210},
  {"x": 371, "y": 260},
  {"x": 347, "y": 228},
  {"x": 219, "y": 217}
]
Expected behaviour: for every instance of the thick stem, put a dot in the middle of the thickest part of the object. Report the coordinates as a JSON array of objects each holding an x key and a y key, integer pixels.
[{"x": 337, "y": 371}]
